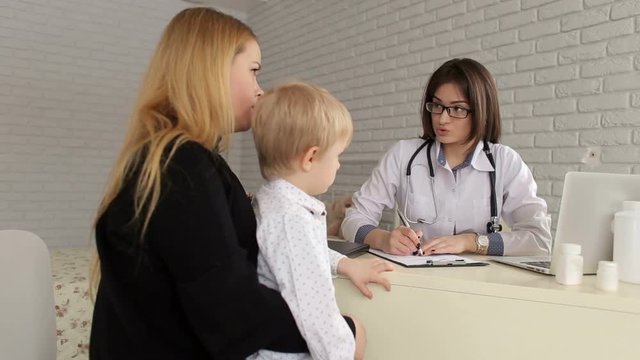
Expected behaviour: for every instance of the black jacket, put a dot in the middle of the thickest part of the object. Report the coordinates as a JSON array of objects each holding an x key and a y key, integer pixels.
[{"x": 190, "y": 291}]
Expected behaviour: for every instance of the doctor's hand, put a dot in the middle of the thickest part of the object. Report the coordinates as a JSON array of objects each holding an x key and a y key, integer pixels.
[
  {"x": 454, "y": 244},
  {"x": 402, "y": 241},
  {"x": 363, "y": 272}
]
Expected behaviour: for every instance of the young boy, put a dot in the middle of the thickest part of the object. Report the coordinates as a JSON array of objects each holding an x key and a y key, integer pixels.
[{"x": 299, "y": 131}]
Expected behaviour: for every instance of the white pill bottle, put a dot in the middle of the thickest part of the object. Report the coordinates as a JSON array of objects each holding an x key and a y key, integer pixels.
[{"x": 570, "y": 264}]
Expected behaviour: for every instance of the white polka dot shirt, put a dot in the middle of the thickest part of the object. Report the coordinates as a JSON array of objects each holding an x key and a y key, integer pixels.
[{"x": 294, "y": 259}]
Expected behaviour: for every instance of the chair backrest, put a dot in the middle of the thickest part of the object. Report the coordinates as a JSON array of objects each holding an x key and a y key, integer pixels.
[{"x": 27, "y": 314}]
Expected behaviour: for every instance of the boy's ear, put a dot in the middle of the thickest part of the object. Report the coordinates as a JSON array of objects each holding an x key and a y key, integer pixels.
[{"x": 308, "y": 157}]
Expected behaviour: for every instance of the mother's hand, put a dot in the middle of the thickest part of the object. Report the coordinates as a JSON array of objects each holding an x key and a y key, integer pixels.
[{"x": 453, "y": 244}]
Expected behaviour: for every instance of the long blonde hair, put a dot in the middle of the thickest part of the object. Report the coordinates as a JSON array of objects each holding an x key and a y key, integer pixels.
[{"x": 185, "y": 95}]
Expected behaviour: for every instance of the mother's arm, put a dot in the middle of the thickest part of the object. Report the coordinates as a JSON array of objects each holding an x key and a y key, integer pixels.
[{"x": 231, "y": 313}]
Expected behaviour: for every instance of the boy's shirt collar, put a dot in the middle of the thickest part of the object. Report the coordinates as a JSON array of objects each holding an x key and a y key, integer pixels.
[{"x": 296, "y": 195}]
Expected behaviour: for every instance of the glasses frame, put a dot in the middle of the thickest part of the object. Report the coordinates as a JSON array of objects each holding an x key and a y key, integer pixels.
[{"x": 429, "y": 107}]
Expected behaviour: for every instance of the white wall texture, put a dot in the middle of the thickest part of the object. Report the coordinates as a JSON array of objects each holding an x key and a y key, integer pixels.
[
  {"x": 567, "y": 73},
  {"x": 69, "y": 71},
  {"x": 69, "y": 74}
]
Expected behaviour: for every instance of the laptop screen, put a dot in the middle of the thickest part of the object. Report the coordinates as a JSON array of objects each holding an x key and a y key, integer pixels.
[{"x": 589, "y": 202}]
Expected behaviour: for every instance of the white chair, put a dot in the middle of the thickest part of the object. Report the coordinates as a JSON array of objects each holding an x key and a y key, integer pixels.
[{"x": 27, "y": 314}]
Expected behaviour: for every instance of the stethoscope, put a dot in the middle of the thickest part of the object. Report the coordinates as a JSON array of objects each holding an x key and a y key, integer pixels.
[{"x": 492, "y": 226}]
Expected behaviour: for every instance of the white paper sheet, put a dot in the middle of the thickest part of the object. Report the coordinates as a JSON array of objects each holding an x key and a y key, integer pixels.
[{"x": 431, "y": 260}]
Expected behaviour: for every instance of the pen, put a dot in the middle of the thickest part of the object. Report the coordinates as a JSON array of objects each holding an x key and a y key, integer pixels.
[{"x": 406, "y": 223}]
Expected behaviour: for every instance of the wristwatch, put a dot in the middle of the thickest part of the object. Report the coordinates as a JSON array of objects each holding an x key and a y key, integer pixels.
[{"x": 482, "y": 243}]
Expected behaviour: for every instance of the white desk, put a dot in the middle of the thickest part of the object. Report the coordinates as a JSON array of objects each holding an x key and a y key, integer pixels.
[{"x": 493, "y": 312}]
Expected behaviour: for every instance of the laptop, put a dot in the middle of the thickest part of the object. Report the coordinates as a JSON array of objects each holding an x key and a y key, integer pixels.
[
  {"x": 348, "y": 248},
  {"x": 589, "y": 202}
]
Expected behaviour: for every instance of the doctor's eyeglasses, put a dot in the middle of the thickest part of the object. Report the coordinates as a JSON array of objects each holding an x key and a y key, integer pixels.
[{"x": 455, "y": 111}]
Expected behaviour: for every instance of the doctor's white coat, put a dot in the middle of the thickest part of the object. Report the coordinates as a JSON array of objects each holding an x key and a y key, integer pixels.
[{"x": 462, "y": 202}]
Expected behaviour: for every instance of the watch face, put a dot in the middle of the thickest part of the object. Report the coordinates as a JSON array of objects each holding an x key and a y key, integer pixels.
[{"x": 483, "y": 240}]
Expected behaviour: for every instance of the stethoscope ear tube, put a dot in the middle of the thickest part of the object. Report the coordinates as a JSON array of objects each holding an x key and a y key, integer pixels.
[
  {"x": 415, "y": 153},
  {"x": 494, "y": 224}
]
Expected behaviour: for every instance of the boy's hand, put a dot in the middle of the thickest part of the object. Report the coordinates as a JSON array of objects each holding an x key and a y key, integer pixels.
[{"x": 363, "y": 272}]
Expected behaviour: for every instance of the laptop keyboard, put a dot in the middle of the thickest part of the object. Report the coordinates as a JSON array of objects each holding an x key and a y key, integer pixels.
[{"x": 542, "y": 264}]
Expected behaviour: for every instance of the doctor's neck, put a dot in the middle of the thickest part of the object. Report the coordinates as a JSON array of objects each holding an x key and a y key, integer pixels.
[{"x": 456, "y": 153}]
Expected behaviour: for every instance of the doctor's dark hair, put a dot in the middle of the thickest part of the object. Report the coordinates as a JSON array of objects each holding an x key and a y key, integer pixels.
[{"x": 477, "y": 84}]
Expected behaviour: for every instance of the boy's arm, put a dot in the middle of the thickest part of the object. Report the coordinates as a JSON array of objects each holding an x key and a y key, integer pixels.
[
  {"x": 334, "y": 259},
  {"x": 298, "y": 260},
  {"x": 360, "y": 272}
]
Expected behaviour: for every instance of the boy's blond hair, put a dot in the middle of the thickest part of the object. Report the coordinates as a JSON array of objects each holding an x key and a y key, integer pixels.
[{"x": 293, "y": 117}]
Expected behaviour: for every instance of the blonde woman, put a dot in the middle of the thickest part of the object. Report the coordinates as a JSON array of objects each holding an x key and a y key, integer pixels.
[{"x": 175, "y": 231}]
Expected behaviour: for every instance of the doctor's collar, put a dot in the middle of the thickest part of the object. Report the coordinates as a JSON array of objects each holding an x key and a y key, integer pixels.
[
  {"x": 476, "y": 159},
  {"x": 479, "y": 160}
]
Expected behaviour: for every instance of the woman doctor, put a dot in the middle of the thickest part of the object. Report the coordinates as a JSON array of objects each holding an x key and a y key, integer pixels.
[{"x": 442, "y": 183}]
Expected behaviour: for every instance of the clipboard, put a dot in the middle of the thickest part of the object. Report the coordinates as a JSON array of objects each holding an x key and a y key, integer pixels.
[{"x": 411, "y": 261}]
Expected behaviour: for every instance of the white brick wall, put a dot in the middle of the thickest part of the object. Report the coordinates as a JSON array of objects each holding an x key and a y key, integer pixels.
[
  {"x": 69, "y": 70},
  {"x": 566, "y": 71}
]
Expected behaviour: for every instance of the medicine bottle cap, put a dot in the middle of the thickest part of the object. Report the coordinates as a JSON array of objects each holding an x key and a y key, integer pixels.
[
  {"x": 631, "y": 205},
  {"x": 570, "y": 249},
  {"x": 607, "y": 266}
]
